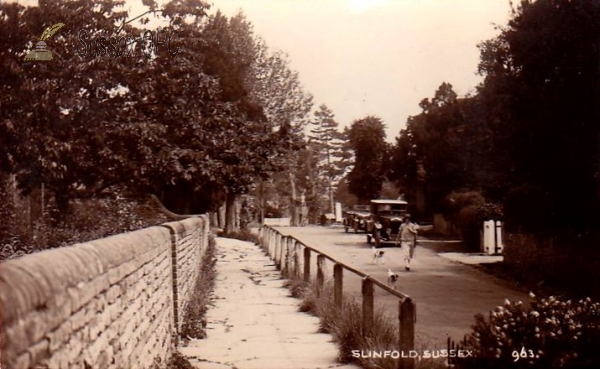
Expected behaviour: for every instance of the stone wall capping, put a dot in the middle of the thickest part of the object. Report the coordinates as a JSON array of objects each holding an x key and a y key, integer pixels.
[{"x": 106, "y": 298}]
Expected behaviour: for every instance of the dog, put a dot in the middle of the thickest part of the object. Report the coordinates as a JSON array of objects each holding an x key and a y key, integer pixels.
[
  {"x": 378, "y": 255},
  {"x": 392, "y": 279}
]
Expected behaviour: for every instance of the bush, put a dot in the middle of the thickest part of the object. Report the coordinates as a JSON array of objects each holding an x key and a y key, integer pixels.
[
  {"x": 89, "y": 219},
  {"x": 468, "y": 210},
  {"x": 243, "y": 235},
  {"x": 551, "y": 333},
  {"x": 345, "y": 325},
  {"x": 177, "y": 361},
  {"x": 298, "y": 288}
]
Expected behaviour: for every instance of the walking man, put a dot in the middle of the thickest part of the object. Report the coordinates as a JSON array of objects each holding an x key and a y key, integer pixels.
[{"x": 407, "y": 236}]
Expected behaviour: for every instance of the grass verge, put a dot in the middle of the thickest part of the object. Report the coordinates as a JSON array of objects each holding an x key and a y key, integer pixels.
[
  {"x": 194, "y": 317},
  {"x": 194, "y": 320},
  {"x": 345, "y": 326},
  {"x": 178, "y": 361}
]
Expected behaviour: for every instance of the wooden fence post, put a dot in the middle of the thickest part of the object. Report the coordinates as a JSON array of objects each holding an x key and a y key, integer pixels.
[
  {"x": 289, "y": 257},
  {"x": 275, "y": 243},
  {"x": 271, "y": 243},
  {"x": 306, "y": 265},
  {"x": 338, "y": 285},
  {"x": 296, "y": 266},
  {"x": 368, "y": 306},
  {"x": 408, "y": 317},
  {"x": 281, "y": 252},
  {"x": 320, "y": 273},
  {"x": 277, "y": 248},
  {"x": 286, "y": 253}
]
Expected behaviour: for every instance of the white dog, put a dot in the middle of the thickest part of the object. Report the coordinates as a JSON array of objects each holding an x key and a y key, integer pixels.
[
  {"x": 378, "y": 255},
  {"x": 392, "y": 279}
]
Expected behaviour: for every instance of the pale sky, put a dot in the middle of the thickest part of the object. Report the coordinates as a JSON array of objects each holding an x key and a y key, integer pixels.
[{"x": 376, "y": 57}]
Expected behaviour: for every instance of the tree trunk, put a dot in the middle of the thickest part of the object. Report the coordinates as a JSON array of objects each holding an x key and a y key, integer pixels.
[
  {"x": 262, "y": 202},
  {"x": 294, "y": 204},
  {"x": 221, "y": 216},
  {"x": 230, "y": 213},
  {"x": 62, "y": 201},
  {"x": 214, "y": 219}
]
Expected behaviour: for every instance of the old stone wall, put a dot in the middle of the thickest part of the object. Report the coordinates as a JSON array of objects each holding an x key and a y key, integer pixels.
[{"x": 109, "y": 303}]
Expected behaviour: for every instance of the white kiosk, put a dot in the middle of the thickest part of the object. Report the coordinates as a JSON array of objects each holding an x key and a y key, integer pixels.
[{"x": 492, "y": 237}]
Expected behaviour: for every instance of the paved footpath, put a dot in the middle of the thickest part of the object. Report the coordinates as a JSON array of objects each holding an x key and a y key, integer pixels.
[{"x": 254, "y": 322}]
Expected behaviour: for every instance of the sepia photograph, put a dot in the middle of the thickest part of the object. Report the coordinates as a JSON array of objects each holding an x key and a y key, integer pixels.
[{"x": 299, "y": 184}]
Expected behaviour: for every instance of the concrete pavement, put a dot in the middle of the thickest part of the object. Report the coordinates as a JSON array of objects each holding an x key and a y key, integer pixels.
[
  {"x": 254, "y": 323},
  {"x": 472, "y": 258}
]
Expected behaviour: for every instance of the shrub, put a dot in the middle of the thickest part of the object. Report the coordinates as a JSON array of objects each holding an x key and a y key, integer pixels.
[
  {"x": 468, "y": 210},
  {"x": 272, "y": 211},
  {"x": 551, "y": 333},
  {"x": 298, "y": 288},
  {"x": 243, "y": 235},
  {"x": 89, "y": 219},
  {"x": 177, "y": 361},
  {"x": 345, "y": 325}
]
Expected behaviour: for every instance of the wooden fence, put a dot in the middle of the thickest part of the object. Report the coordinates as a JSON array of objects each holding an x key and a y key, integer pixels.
[{"x": 293, "y": 258}]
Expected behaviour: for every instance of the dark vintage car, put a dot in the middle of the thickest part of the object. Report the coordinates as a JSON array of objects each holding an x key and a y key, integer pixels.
[
  {"x": 386, "y": 218},
  {"x": 357, "y": 218}
]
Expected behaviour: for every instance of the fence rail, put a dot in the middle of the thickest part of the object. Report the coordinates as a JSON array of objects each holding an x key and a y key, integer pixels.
[{"x": 285, "y": 252}]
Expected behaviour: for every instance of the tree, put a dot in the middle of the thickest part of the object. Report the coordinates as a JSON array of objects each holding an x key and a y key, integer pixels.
[
  {"x": 431, "y": 153},
  {"x": 367, "y": 139},
  {"x": 278, "y": 90},
  {"x": 328, "y": 144},
  {"x": 170, "y": 125},
  {"x": 541, "y": 92},
  {"x": 259, "y": 82},
  {"x": 53, "y": 113}
]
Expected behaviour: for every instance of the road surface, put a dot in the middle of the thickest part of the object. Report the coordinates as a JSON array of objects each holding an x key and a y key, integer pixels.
[{"x": 447, "y": 293}]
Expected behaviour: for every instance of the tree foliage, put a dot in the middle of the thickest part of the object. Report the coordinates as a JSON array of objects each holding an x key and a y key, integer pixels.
[
  {"x": 328, "y": 143},
  {"x": 530, "y": 137},
  {"x": 366, "y": 138},
  {"x": 542, "y": 92},
  {"x": 436, "y": 141},
  {"x": 192, "y": 128}
]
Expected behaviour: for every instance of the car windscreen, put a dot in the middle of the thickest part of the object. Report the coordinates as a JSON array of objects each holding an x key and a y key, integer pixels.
[{"x": 391, "y": 209}]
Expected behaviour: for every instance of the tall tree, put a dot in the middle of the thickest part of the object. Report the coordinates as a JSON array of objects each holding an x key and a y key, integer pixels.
[
  {"x": 268, "y": 96},
  {"x": 432, "y": 149},
  {"x": 161, "y": 124},
  {"x": 367, "y": 139},
  {"x": 54, "y": 113},
  {"x": 328, "y": 143},
  {"x": 542, "y": 92},
  {"x": 278, "y": 90}
]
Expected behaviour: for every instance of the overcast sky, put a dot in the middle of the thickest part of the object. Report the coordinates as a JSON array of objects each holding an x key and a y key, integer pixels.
[{"x": 376, "y": 57}]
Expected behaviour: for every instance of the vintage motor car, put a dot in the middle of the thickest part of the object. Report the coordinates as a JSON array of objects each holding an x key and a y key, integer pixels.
[
  {"x": 386, "y": 218},
  {"x": 357, "y": 218}
]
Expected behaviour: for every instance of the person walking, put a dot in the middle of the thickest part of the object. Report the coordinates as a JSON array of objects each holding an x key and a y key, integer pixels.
[{"x": 407, "y": 235}]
